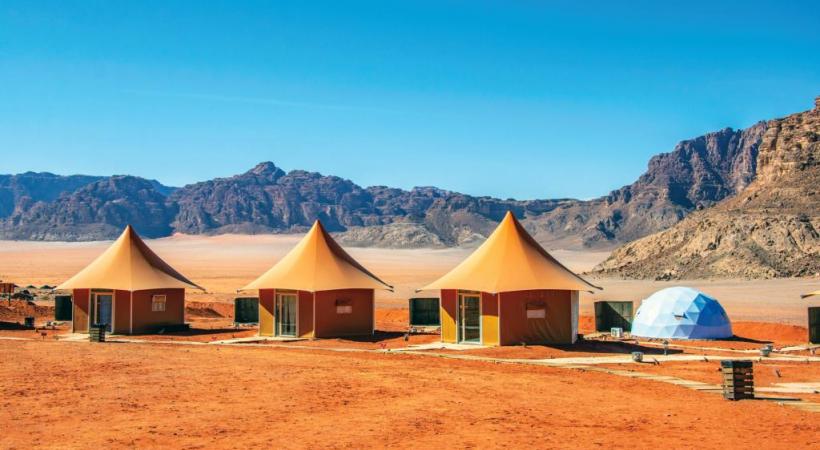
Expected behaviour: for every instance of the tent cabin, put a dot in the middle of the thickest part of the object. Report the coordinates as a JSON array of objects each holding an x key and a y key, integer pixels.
[
  {"x": 510, "y": 291},
  {"x": 129, "y": 288},
  {"x": 317, "y": 290},
  {"x": 681, "y": 313}
]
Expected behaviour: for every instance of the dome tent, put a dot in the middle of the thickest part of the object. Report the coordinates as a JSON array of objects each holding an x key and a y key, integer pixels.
[{"x": 681, "y": 313}]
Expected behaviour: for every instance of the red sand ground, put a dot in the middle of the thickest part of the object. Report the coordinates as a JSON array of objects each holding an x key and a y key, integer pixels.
[
  {"x": 82, "y": 395},
  {"x": 765, "y": 331}
]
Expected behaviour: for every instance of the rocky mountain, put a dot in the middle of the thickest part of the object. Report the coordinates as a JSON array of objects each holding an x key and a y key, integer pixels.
[
  {"x": 266, "y": 199},
  {"x": 697, "y": 174},
  {"x": 36, "y": 187},
  {"x": 98, "y": 210},
  {"x": 770, "y": 229}
]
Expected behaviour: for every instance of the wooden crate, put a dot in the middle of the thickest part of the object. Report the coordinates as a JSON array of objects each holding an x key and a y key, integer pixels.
[
  {"x": 738, "y": 379},
  {"x": 96, "y": 333},
  {"x": 743, "y": 395}
]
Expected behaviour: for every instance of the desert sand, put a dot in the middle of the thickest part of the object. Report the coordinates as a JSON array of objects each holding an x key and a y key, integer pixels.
[
  {"x": 185, "y": 390},
  {"x": 152, "y": 396}
]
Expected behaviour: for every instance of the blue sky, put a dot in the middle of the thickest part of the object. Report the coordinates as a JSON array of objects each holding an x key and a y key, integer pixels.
[{"x": 519, "y": 99}]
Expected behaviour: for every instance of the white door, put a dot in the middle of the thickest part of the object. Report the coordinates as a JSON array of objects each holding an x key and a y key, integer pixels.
[{"x": 104, "y": 310}]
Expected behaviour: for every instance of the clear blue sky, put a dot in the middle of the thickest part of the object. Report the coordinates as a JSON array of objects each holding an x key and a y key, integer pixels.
[{"x": 517, "y": 99}]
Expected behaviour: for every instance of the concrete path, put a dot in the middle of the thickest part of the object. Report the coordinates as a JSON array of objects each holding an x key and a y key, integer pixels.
[
  {"x": 252, "y": 339},
  {"x": 438, "y": 346},
  {"x": 752, "y": 351},
  {"x": 597, "y": 360}
]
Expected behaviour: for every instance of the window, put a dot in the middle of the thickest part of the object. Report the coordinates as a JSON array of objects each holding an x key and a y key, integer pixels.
[
  {"x": 344, "y": 307},
  {"x": 536, "y": 310},
  {"x": 158, "y": 303},
  {"x": 536, "y": 314}
]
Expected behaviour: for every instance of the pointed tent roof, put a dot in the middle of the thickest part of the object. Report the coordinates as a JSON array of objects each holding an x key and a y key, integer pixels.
[
  {"x": 128, "y": 265},
  {"x": 317, "y": 263},
  {"x": 810, "y": 294},
  {"x": 510, "y": 260}
]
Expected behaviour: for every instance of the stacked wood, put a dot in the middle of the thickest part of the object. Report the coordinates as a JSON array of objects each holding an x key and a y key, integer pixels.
[
  {"x": 738, "y": 380},
  {"x": 96, "y": 332}
]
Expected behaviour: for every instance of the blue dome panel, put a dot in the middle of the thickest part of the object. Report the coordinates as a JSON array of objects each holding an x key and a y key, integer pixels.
[{"x": 681, "y": 313}]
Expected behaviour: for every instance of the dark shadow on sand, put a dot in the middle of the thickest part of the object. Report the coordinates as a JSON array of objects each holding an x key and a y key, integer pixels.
[
  {"x": 192, "y": 332},
  {"x": 376, "y": 337},
  {"x": 613, "y": 347},
  {"x": 743, "y": 339}
]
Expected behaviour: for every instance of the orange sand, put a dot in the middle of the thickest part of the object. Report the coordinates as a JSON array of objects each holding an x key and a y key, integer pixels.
[{"x": 72, "y": 395}]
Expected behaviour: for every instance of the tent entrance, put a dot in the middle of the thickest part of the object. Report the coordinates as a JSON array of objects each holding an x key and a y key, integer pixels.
[
  {"x": 469, "y": 319},
  {"x": 285, "y": 320},
  {"x": 104, "y": 309},
  {"x": 814, "y": 325}
]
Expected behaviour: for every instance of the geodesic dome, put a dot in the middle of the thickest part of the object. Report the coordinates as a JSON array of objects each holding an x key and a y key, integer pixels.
[{"x": 681, "y": 313}]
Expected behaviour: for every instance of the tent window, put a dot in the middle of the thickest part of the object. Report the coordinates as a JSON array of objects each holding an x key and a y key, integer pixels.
[
  {"x": 158, "y": 303},
  {"x": 536, "y": 310},
  {"x": 343, "y": 306},
  {"x": 536, "y": 314}
]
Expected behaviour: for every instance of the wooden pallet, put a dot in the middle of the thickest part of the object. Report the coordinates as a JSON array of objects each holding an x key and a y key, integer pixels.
[
  {"x": 739, "y": 394},
  {"x": 96, "y": 334},
  {"x": 738, "y": 380}
]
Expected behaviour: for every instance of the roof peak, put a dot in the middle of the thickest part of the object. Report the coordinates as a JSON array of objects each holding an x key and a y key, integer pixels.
[
  {"x": 511, "y": 260},
  {"x": 128, "y": 265},
  {"x": 317, "y": 263}
]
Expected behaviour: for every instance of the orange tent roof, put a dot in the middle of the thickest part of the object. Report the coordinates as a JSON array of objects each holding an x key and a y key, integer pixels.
[
  {"x": 810, "y": 294},
  {"x": 510, "y": 260},
  {"x": 128, "y": 265},
  {"x": 317, "y": 263}
]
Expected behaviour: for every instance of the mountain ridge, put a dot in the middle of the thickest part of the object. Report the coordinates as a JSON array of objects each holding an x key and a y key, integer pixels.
[
  {"x": 696, "y": 174},
  {"x": 770, "y": 229}
]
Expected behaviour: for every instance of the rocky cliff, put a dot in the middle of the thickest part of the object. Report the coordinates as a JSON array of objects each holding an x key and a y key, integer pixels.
[
  {"x": 770, "y": 229},
  {"x": 697, "y": 174}
]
